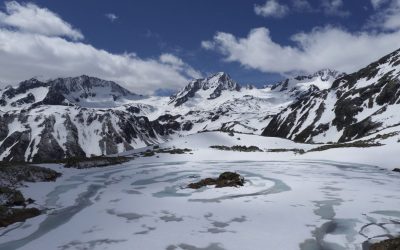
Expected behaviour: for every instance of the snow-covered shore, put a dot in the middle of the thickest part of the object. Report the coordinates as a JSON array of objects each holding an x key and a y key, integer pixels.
[
  {"x": 317, "y": 200},
  {"x": 384, "y": 156}
]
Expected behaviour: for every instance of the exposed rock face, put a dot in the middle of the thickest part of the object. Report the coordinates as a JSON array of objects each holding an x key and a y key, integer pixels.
[
  {"x": 391, "y": 244},
  {"x": 16, "y": 144},
  {"x": 212, "y": 87},
  {"x": 356, "y": 105},
  {"x": 84, "y": 91},
  {"x": 12, "y": 175},
  {"x": 62, "y": 118},
  {"x": 302, "y": 85},
  {"x": 50, "y": 149},
  {"x": 9, "y": 216},
  {"x": 86, "y": 116},
  {"x": 89, "y": 91},
  {"x": 13, "y": 205},
  {"x": 94, "y": 162},
  {"x": 44, "y": 136},
  {"x": 11, "y": 197},
  {"x": 226, "y": 179}
]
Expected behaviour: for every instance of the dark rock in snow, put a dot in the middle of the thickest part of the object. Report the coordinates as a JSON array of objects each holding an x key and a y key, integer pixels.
[
  {"x": 11, "y": 197},
  {"x": 11, "y": 200},
  {"x": 349, "y": 98},
  {"x": 226, "y": 179},
  {"x": 390, "y": 244},
  {"x": 9, "y": 215},
  {"x": 217, "y": 83}
]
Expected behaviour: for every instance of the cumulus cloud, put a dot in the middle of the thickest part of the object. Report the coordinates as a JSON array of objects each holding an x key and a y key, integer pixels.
[
  {"x": 376, "y": 4},
  {"x": 302, "y": 6},
  {"x": 271, "y": 8},
  {"x": 326, "y": 47},
  {"x": 387, "y": 18},
  {"x": 30, "y": 18},
  {"x": 28, "y": 52},
  {"x": 334, "y": 8},
  {"x": 111, "y": 16}
]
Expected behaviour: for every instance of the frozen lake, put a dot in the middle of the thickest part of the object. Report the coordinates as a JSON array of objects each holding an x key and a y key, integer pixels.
[{"x": 283, "y": 205}]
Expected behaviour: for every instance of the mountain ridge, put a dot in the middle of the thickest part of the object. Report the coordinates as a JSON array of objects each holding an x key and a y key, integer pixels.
[
  {"x": 359, "y": 104},
  {"x": 85, "y": 116}
]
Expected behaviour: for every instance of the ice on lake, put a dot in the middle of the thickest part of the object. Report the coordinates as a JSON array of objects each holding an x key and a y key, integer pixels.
[{"x": 283, "y": 205}]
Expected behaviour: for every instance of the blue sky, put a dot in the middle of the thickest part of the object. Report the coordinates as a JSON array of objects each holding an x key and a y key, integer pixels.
[{"x": 255, "y": 41}]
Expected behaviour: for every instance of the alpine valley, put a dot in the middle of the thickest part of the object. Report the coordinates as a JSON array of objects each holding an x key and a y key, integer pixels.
[
  {"x": 86, "y": 116},
  {"x": 313, "y": 158}
]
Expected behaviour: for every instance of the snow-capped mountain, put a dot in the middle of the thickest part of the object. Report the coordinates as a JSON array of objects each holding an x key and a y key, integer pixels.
[
  {"x": 209, "y": 88},
  {"x": 85, "y": 116},
  {"x": 356, "y": 105},
  {"x": 301, "y": 85},
  {"x": 83, "y": 91},
  {"x": 66, "y": 117},
  {"x": 92, "y": 92}
]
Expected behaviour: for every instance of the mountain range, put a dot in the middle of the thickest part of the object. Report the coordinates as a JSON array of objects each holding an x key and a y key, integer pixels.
[{"x": 84, "y": 116}]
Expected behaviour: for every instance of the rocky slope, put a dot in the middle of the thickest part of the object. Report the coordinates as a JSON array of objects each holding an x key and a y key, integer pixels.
[
  {"x": 209, "y": 88},
  {"x": 236, "y": 108},
  {"x": 86, "y": 116},
  {"x": 82, "y": 116},
  {"x": 356, "y": 105}
]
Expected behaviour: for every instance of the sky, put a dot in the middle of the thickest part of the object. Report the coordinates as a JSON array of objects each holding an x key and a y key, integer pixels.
[{"x": 157, "y": 46}]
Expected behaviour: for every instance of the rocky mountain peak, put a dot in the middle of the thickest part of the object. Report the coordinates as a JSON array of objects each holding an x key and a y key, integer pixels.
[
  {"x": 300, "y": 85},
  {"x": 86, "y": 83},
  {"x": 220, "y": 79},
  {"x": 83, "y": 91},
  {"x": 354, "y": 106},
  {"x": 87, "y": 91},
  {"x": 208, "y": 88},
  {"x": 327, "y": 74},
  {"x": 323, "y": 75}
]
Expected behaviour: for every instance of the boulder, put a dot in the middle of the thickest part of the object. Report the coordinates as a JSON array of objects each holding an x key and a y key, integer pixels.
[
  {"x": 226, "y": 179},
  {"x": 391, "y": 244},
  {"x": 9, "y": 216}
]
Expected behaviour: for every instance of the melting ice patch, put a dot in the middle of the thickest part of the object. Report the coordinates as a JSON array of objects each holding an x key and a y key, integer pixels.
[{"x": 283, "y": 205}]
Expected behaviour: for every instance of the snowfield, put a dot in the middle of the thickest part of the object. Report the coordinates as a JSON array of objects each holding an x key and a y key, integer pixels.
[
  {"x": 384, "y": 156},
  {"x": 319, "y": 200},
  {"x": 337, "y": 193}
]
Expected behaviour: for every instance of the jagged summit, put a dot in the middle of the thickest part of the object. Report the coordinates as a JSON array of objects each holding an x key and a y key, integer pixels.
[
  {"x": 323, "y": 74},
  {"x": 208, "y": 88},
  {"x": 84, "y": 116},
  {"x": 92, "y": 92},
  {"x": 84, "y": 91},
  {"x": 220, "y": 80},
  {"x": 300, "y": 85},
  {"x": 356, "y": 105},
  {"x": 88, "y": 84}
]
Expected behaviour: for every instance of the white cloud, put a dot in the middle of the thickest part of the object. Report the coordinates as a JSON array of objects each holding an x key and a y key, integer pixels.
[
  {"x": 376, "y": 4},
  {"x": 111, "y": 16},
  {"x": 27, "y": 54},
  {"x": 171, "y": 59},
  {"x": 388, "y": 18},
  {"x": 30, "y": 18},
  {"x": 271, "y": 8},
  {"x": 179, "y": 65},
  {"x": 327, "y": 47},
  {"x": 207, "y": 45},
  {"x": 334, "y": 8},
  {"x": 302, "y": 5}
]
